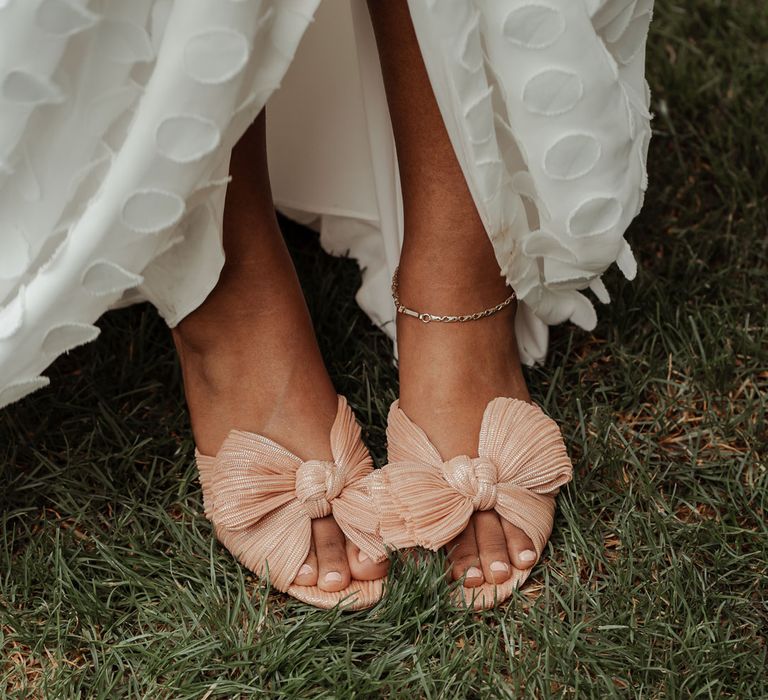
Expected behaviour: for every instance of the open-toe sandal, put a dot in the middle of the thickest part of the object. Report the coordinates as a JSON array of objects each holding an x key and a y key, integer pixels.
[
  {"x": 426, "y": 501},
  {"x": 261, "y": 499}
]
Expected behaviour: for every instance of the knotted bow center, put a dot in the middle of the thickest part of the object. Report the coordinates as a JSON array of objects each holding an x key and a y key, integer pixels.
[
  {"x": 473, "y": 477},
  {"x": 317, "y": 484}
]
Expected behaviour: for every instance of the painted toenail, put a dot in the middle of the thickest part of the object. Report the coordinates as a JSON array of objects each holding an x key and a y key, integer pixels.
[
  {"x": 527, "y": 555},
  {"x": 499, "y": 566},
  {"x": 473, "y": 572},
  {"x": 362, "y": 557},
  {"x": 305, "y": 570},
  {"x": 333, "y": 577}
]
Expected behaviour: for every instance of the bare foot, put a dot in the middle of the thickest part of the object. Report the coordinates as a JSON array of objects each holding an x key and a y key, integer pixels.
[
  {"x": 250, "y": 361},
  {"x": 250, "y": 358},
  {"x": 448, "y": 374}
]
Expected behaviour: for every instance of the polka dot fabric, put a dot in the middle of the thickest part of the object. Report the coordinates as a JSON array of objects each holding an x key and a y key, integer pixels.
[
  {"x": 117, "y": 120},
  {"x": 549, "y": 113},
  {"x": 116, "y": 123}
]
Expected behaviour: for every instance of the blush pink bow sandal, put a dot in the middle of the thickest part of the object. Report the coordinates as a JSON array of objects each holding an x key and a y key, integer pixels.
[
  {"x": 261, "y": 499},
  {"x": 425, "y": 501}
]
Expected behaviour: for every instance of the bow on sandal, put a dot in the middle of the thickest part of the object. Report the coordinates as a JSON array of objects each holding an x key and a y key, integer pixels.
[
  {"x": 425, "y": 501},
  {"x": 262, "y": 498}
]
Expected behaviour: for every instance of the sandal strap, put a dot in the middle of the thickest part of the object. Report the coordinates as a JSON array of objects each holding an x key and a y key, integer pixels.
[
  {"x": 262, "y": 498},
  {"x": 522, "y": 462}
]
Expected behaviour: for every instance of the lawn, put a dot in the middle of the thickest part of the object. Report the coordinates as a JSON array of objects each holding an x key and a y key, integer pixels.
[{"x": 655, "y": 582}]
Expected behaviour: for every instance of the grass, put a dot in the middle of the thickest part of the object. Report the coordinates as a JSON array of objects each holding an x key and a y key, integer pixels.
[{"x": 655, "y": 583}]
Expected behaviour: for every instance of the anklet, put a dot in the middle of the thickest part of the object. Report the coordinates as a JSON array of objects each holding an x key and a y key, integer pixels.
[{"x": 426, "y": 318}]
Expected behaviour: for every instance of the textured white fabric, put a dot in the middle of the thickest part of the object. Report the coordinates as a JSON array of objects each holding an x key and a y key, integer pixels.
[{"x": 117, "y": 119}]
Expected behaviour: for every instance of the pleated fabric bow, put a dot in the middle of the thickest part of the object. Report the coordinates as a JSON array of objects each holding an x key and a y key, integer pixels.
[
  {"x": 262, "y": 498},
  {"x": 521, "y": 464}
]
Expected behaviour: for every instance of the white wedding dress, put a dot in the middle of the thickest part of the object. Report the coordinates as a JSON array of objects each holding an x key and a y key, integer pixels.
[{"x": 117, "y": 119}]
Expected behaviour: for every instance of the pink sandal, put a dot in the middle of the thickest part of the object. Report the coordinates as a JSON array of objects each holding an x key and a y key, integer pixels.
[
  {"x": 261, "y": 499},
  {"x": 426, "y": 501}
]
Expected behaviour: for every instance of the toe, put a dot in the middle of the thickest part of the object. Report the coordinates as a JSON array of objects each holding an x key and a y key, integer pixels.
[
  {"x": 362, "y": 567},
  {"x": 492, "y": 546},
  {"x": 521, "y": 550},
  {"x": 464, "y": 559},
  {"x": 307, "y": 575},
  {"x": 332, "y": 566}
]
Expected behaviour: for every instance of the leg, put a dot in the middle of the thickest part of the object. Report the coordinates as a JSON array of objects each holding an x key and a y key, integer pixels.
[
  {"x": 448, "y": 372},
  {"x": 249, "y": 355}
]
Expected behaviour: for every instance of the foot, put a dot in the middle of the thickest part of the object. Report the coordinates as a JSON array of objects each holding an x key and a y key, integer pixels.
[
  {"x": 448, "y": 374},
  {"x": 250, "y": 361}
]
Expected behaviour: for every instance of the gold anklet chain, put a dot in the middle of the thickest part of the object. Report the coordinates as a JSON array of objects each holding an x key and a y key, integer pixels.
[{"x": 427, "y": 318}]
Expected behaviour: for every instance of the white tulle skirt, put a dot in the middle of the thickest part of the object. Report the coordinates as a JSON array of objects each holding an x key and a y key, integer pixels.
[{"x": 117, "y": 120}]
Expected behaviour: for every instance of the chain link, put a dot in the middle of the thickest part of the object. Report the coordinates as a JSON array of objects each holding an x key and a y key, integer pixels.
[{"x": 427, "y": 318}]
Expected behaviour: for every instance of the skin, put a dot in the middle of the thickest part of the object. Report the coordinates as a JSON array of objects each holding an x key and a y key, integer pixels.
[
  {"x": 448, "y": 372},
  {"x": 250, "y": 359}
]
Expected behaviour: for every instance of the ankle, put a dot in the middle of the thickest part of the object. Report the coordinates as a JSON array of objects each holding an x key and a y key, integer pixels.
[
  {"x": 488, "y": 345},
  {"x": 239, "y": 314},
  {"x": 206, "y": 334},
  {"x": 459, "y": 284},
  {"x": 444, "y": 364}
]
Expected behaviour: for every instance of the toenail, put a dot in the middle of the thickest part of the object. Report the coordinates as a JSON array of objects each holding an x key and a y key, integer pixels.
[
  {"x": 527, "y": 555},
  {"x": 333, "y": 577},
  {"x": 499, "y": 566},
  {"x": 362, "y": 557},
  {"x": 305, "y": 570},
  {"x": 473, "y": 572}
]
